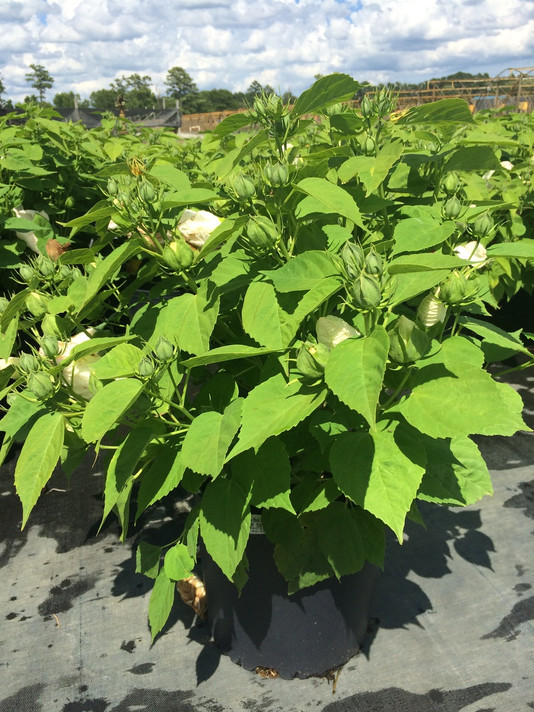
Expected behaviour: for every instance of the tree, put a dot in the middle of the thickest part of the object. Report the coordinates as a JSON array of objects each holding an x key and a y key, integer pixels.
[
  {"x": 64, "y": 100},
  {"x": 180, "y": 84},
  {"x": 103, "y": 99},
  {"x": 136, "y": 92},
  {"x": 39, "y": 78}
]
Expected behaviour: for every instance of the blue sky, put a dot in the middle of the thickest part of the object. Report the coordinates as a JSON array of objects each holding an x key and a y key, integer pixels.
[{"x": 86, "y": 44}]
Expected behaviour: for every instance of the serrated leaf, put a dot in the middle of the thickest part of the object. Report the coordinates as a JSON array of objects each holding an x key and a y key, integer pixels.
[
  {"x": 178, "y": 563},
  {"x": 226, "y": 353},
  {"x": 461, "y": 406},
  {"x": 208, "y": 438},
  {"x": 273, "y": 407},
  {"x": 261, "y": 315},
  {"x": 327, "y": 198},
  {"x": 106, "y": 269},
  {"x": 355, "y": 372},
  {"x": 160, "y": 603},
  {"x": 521, "y": 249},
  {"x": 107, "y": 406},
  {"x": 267, "y": 474},
  {"x": 303, "y": 272},
  {"x": 438, "y": 112},
  {"x": 123, "y": 466},
  {"x": 147, "y": 558},
  {"x": 340, "y": 539},
  {"x": 37, "y": 460},
  {"x": 225, "y": 523},
  {"x": 121, "y": 361},
  {"x": 456, "y": 472},
  {"x": 492, "y": 334},
  {"x": 374, "y": 472},
  {"x": 420, "y": 233},
  {"x": 325, "y": 91},
  {"x": 160, "y": 478},
  {"x": 189, "y": 319}
]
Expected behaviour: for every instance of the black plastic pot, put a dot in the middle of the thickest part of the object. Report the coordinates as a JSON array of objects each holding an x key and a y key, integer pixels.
[{"x": 309, "y": 633}]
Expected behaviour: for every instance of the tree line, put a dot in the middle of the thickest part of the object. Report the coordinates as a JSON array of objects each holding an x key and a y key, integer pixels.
[{"x": 135, "y": 91}]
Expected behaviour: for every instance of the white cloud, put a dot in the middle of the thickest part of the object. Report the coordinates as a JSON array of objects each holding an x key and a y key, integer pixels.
[{"x": 229, "y": 43}]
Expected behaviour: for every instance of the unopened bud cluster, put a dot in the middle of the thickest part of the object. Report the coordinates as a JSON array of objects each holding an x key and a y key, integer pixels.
[{"x": 364, "y": 273}]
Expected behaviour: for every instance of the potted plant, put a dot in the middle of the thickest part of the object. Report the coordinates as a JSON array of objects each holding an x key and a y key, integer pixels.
[{"x": 291, "y": 332}]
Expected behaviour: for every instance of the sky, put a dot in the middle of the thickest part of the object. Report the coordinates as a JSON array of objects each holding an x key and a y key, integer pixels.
[{"x": 86, "y": 44}]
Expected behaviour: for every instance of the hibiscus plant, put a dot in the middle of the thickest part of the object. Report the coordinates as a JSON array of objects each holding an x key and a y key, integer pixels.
[{"x": 291, "y": 324}]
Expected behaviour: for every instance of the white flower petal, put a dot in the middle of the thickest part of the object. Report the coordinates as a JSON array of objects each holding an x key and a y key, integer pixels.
[
  {"x": 331, "y": 331},
  {"x": 197, "y": 225},
  {"x": 473, "y": 252}
]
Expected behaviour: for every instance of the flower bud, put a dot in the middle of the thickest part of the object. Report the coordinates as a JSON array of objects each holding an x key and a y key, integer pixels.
[
  {"x": 28, "y": 363},
  {"x": 450, "y": 183},
  {"x": 366, "y": 107},
  {"x": 147, "y": 192},
  {"x": 37, "y": 304},
  {"x": 28, "y": 275},
  {"x": 243, "y": 187},
  {"x": 353, "y": 259},
  {"x": 483, "y": 226},
  {"x": 178, "y": 255},
  {"x": 452, "y": 208},
  {"x": 41, "y": 385},
  {"x": 276, "y": 175},
  {"x": 366, "y": 291},
  {"x": 146, "y": 367},
  {"x": 163, "y": 350},
  {"x": 407, "y": 342},
  {"x": 49, "y": 347},
  {"x": 112, "y": 186},
  {"x": 369, "y": 146},
  {"x": 453, "y": 290},
  {"x": 311, "y": 360},
  {"x": 374, "y": 263},
  {"x": 50, "y": 325},
  {"x": 431, "y": 311},
  {"x": 262, "y": 232},
  {"x": 46, "y": 267}
]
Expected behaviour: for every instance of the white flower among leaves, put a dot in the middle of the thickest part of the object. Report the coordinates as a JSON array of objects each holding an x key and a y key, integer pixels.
[
  {"x": 331, "y": 331},
  {"x": 507, "y": 165},
  {"x": 197, "y": 225},
  {"x": 473, "y": 252},
  {"x": 77, "y": 373},
  {"x": 29, "y": 237}
]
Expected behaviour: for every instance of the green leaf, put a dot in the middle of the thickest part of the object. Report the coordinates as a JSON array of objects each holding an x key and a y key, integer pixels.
[
  {"x": 416, "y": 234},
  {"x": 325, "y": 92},
  {"x": 16, "y": 305},
  {"x": 424, "y": 262},
  {"x": 303, "y": 272},
  {"x": 124, "y": 465},
  {"x": 161, "y": 477},
  {"x": 208, "y": 438},
  {"x": 94, "y": 346},
  {"x": 106, "y": 269},
  {"x": 225, "y": 523},
  {"x": 492, "y": 334},
  {"x": 521, "y": 249},
  {"x": 160, "y": 603},
  {"x": 189, "y": 319},
  {"x": 373, "y": 470},
  {"x": 7, "y": 338},
  {"x": 460, "y": 406},
  {"x": 267, "y": 474},
  {"x": 232, "y": 123},
  {"x": 355, "y": 372},
  {"x": 409, "y": 284},
  {"x": 472, "y": 158},
  {"x": 222, "y": 354},
  {"x": 121, "y": 361},
  {"x": 38, "y": 458},
  {"x": 438, "y": 112},
  {"x": 191, "y": 196},
  {"x": 147, "y": 558},
  {"x": 99, "y": 211},
  {"x": 327, "y": 198},
  {"x": 273, "y": 407},
  {"x": 171, "y": 176},
  {"x": 340, "y": 539},
  {"x": 21, "y": 412},
  {"x": 107, "y": 406},
  {"x": 261, "y": 315},
  {"x": 456, "y": 472},
  {"x": 178, "y": 563},
  {"x": 388, "y": 155}
]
